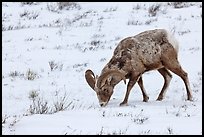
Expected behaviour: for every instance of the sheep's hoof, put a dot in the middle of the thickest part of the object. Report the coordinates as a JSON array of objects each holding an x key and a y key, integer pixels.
[
  {"x": 145, "y": 99},
  {"x": 190, "y": 98},
  {"x": 160, "y": 98},
  {"x": 123, "y": 104}
]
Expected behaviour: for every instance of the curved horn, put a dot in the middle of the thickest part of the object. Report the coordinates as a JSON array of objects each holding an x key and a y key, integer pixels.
[
  {"x": 104, "y": 76},
  {"x": 90, "y": 78}
]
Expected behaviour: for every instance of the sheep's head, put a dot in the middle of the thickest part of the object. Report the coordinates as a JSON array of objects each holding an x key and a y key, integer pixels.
[{"x": 102, "y": 85}]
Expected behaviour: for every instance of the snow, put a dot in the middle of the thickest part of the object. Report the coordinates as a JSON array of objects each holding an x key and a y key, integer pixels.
[{"x": 84, "y": 38}]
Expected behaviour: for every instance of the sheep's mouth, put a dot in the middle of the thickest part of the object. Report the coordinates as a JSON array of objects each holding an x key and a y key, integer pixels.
[{"x": 103, "y": 104}]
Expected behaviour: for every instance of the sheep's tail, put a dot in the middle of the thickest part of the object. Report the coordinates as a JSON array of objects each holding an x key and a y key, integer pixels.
[{"x": 171, "y": 38}]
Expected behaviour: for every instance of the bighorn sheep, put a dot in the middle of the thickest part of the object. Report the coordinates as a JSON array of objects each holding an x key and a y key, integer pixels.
[{"x": 150, "y": 50}]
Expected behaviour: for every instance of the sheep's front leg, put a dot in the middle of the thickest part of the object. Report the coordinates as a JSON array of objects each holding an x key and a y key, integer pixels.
[
  {"x": 140, "y": 83},
  {"x": 131, "y": 83},
  {"x": 167, "y": 78}
]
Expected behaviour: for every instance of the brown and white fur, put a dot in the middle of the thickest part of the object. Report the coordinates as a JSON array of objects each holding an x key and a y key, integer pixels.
[{"x": 150, "y": 50}]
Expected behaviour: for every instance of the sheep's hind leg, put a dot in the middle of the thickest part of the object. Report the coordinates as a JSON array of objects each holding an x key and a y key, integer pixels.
[{"x": 177, "y": 69}]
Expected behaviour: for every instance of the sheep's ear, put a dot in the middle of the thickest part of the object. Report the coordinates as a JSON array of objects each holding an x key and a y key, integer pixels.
[{"x": 90, "y": 78}]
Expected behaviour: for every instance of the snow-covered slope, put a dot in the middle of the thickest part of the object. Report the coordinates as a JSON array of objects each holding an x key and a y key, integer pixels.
[{"x": 46, "y": 51}]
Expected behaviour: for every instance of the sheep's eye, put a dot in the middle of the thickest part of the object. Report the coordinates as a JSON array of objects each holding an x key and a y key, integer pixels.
[{"x": 105, "y": 90}]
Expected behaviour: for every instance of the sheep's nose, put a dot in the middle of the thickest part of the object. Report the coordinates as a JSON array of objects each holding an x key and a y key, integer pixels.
[{"x": 102, "y": 104}]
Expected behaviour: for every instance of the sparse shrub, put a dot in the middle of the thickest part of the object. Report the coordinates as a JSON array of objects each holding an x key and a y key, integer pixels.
[
  {"x": 145, "y": 132},
  {"x": 179, "y": 18},
  {"x": 120, "y": 114},
  {"x": 95, "y": 36},
  {"x": 140, "y": 120},
  {"x": 58, "y": 23},
  {"x": 12, "y": 122},
  {"x": 154, "y": 9},
  {"x": 134, "y": 22},
  {"x": 148, "y": 22},
  {"x": 137, "y": 7},
  {"x": 33, "y": 94},
  {"x": 39, "y": 105},
  {"x": 4, "y": 4},
  {"x": 179, "y": 4},
  {"x": 164, "y": 10},
  {"x": 25, "y": 13},
  {"x": 29, "y": 39},
  {"x": 193, "y": 49},
  {"x": 200, "y": 6},
  {"x": 95, "y": 42},
  {"x": 104, "y": 114},
  {"x": 101, "y": 131},
  {"x": 111, "y": 9},
  {"x": 28, "y": 3},
  {"x": 80, "y": 67},
  {"x": 31, "y": 75},
  {"x": 55, "y": 66},
  {"x": 117, "y": 38},
  {"x": 6, "y": 27},
  {"x": 183, "y": 32},
  {"x": 61, "y": 103},
  {"x": 93, "y": 45},
  {"x": 102, "y": 59},
  {"x": 4, "y": 118},
  {"x": 58, "y": 47},
  {"x": 53, "y": 7},
  {"x": 29, "y": 15},
  {"x": 5, "y": 17},
  {"x": 68, "y": 5},
  {"x": 86, "y": 24},
  {"x": 58, "y": 6},
  {"x": 14, "y": 74},
  {"x": 118, "y": 132},
  {"x": 81, "y": 16},
  {"x": 169, "y": 130}
]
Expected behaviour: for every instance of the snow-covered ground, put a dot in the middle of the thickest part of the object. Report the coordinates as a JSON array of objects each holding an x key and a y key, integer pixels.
[{"x": 46, "y": 50}]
